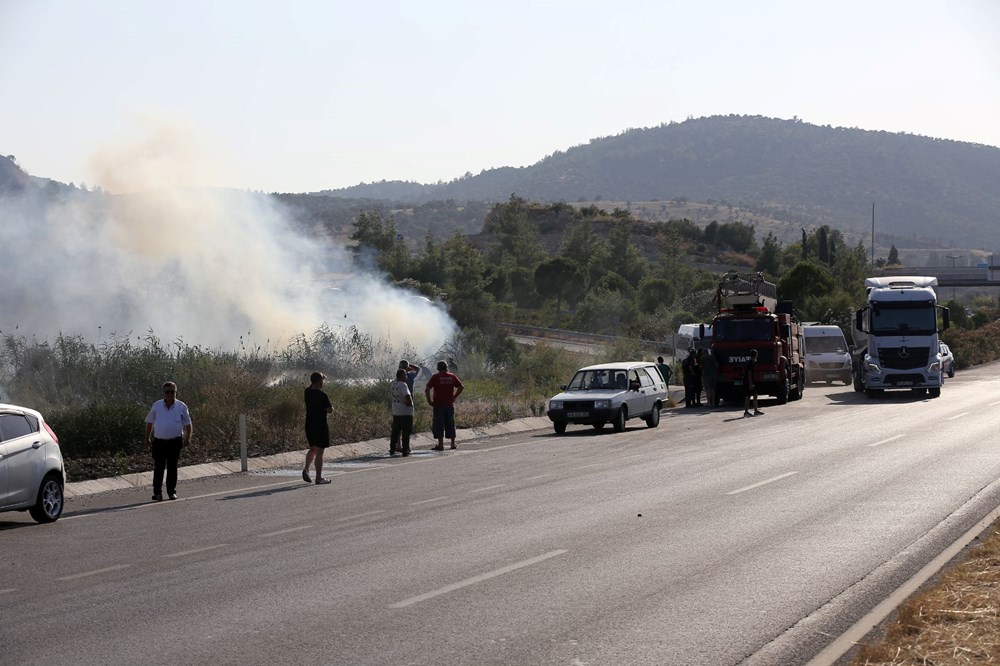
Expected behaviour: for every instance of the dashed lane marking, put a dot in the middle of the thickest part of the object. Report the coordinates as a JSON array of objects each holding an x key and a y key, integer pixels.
[
  {"x": 428, "y": 501},
  {"x": 197, "y": 550},
  {"x": 95, "y": 572},
  {"x": 886, "y": 441},
  {"x": 288, "y": 531},
  {"x": 483, "y": 490},
  {"x": 359, "y": 515},
  {"x": 957, "y": 416},
  {"x": 762, "y": 483}
]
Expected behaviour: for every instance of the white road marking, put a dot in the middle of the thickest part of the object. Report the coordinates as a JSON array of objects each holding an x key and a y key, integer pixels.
[
  {"x": 762, "y": 483},
  {"x": 886, "y": 441},
  {"x": 428, "y": 501},
  {"x": 288, "y": 531},
  {"x": 95, "y": 572},
  {"x": 540, "y": 476},
  {"x": 359, "y": 515},
  {"x": 9, "y": 589},
  {"x": 957, "y": 416},
  {"x": 482, "y": 490},
  {"x": 196, "y": 550},
  {"x": 590, "y": 465},
  {"x": 993, "y": 404},
  {"x": 477, "y": 579}
]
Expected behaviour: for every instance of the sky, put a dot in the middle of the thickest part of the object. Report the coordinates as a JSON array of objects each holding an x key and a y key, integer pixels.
[{"x": 308, "y": 95}]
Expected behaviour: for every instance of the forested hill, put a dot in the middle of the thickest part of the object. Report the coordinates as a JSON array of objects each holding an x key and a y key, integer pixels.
[{"x": 802, "y": 173}]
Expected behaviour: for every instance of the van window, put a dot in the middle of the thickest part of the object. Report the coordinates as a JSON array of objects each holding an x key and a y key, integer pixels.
[{"x": 825, "y": 343}]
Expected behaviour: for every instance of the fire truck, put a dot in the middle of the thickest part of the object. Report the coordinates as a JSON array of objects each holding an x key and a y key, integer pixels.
[{"x": 751, "y": 317}]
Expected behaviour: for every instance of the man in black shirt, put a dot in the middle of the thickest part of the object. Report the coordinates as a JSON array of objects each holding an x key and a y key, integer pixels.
[{"x": 750, "y": 386}]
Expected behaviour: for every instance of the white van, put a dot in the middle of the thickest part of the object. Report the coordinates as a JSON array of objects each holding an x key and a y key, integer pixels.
[
  {"x": 827, "y": 355},
  {"x": 688, "y": 336}
]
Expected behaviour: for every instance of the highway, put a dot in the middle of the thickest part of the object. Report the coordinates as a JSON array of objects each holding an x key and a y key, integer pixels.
[{"x": 712, "y": 540}]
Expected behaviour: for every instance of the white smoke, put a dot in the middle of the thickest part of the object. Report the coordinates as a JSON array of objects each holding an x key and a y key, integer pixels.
[{"x": 203, "y": 265}]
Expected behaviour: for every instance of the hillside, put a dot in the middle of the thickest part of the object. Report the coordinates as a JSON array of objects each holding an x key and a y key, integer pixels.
[{"x": 941, "y": 191}]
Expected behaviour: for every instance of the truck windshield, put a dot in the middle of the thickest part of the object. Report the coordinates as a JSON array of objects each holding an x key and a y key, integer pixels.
[
  {"x": 903, "y": 318},
  {"x": 730, "y": 330}
]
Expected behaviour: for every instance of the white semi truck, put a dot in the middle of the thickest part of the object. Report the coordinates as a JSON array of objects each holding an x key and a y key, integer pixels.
[{"x": 897, "y": 336}]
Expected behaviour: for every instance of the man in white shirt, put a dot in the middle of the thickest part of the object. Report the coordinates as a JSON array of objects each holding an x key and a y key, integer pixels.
[
  {"x": 169, "y": 425},
  {"x": 402, "y": 414}
]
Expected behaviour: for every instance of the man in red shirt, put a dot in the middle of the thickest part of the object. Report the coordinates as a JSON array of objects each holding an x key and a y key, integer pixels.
[{"x": 447, "y": 387}]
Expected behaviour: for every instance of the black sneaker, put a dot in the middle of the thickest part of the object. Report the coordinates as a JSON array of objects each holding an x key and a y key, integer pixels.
[
  {"x": 172, "y": 496},
  {"x": 757, "y": 412},
  {"x": 406, "y": 453},
  {"x": 157, "y": 497},
  {"x": 393, "y": 454},
  {"x": 746, "y": 414},
  {"x": 305, "y": 477},
  {"x": 322, "y": 482}
]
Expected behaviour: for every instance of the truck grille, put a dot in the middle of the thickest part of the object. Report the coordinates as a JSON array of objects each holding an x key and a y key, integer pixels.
[{"x": 904, "y": 358}]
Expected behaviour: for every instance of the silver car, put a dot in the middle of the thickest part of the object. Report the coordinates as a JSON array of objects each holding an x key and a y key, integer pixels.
[
  {"x": 947, "y": 360},
  {"x": 610, "y": 393},
  {"x": 32, "y": 475}
]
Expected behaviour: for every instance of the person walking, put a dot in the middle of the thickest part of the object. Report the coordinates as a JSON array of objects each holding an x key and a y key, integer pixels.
[
  {"x": 402, "y": 414},
  {"x": 168, "y": 430},
  {"x": 446, "y": 387},
  {"x": 750, "y": 385},
  {"x": 665, "y": 370},
  {"x": 709, "y": 375},
  {"x": 318, "y": 405},
  {"x": 688, "y": 369}
]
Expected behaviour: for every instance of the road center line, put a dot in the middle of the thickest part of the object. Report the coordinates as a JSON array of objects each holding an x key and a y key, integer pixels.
[
  {"x": 540, "y": 476},
  {"x": 9, "y": 589},
  {"x": 762, "y": 483},
  {"x": 359, "y": 515},
  {"x": 288, "y": 531},
  {"x": 957, "y": 416},
  {"x": 477, "y": 579},
  {"x": 482, "y": 490},
  {"x": 886, "y": 441},
  {"x": 196, "y": 550},
  {"x": 95, "y": 572},
  {"x": 590, "y": 465},
  {"x": 994, "y": 404},
  {"x": 428, "y": 501}
]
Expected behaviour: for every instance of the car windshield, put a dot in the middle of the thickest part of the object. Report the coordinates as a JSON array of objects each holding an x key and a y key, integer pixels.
[
  {"x": 599, "y": 380},
  {"x": 825, "y": 344}
]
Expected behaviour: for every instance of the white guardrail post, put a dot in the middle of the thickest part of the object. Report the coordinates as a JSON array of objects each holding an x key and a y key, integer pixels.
[{"x": 243, "y": 442}]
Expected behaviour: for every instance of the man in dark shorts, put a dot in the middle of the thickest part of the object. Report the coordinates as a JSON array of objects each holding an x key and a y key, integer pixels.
[
  {"x": 750, "y": 386},
  {"x": 447, "y": 387},
  {"x": 318, "y": 405}
]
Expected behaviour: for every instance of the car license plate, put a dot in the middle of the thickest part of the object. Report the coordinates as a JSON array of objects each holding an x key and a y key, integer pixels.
[
  {"x": 738, "y": 382},
  {"x": 904, "y": 383},
  {"x": 577, "y": 415}
]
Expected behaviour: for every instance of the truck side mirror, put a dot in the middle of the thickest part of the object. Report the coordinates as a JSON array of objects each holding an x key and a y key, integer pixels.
[
  {"x": 945, "y": 317},
  {"x": 701, "y": 331},
  {"x": 859, "y": 320}
]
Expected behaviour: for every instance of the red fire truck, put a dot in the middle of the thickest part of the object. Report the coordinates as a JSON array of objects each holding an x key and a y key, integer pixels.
[{"x": 751, "y": 317}]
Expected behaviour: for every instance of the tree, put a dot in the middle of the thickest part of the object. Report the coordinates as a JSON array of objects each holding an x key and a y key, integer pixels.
[
  {"x": 584, "y": 246},
  {"x": 516, "y": 238},
  {"x": 377, "y": 242},
  {"x": 823, "y": 243},
  {"x": 559, "y": 278},
  {"x": 804, "y": 283},
  {"x": 769, "y": 260},
  {"x": 654, "y": 293},
  {"x": 624, "y": 257},
  {"x": 465, "y": 269},
  {"x": 805, "y": 245},
  {"x": 893, "y": 259}
]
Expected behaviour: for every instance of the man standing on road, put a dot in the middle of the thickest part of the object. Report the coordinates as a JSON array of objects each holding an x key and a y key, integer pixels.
[
  {"x": 168, "y": 430},
  {"x": 750, "y": 386},
  {"x": 318, "y": 405},
  {"x": 402, "y": 414},
  {"x": 446, "y": 387},
  {"x": 665, "y": 370}
]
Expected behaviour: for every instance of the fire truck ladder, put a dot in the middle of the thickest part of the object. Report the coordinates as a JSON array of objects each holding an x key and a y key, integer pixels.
[{"x": 743, "y": 291}]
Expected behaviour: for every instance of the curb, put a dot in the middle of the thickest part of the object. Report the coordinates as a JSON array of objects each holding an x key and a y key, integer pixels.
[{"x": 294, "y": 459}]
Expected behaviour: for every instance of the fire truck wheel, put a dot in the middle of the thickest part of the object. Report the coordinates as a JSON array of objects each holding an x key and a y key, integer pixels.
[{"x": 783, "y": 391}]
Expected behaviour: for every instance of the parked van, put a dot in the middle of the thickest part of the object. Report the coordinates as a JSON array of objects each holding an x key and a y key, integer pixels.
[
  {"x": 689, "y": 336},
  {"x": 827, "y": 356}
]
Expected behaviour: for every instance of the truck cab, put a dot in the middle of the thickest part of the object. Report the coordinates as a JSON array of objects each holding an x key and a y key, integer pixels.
[{"x": 900, "y": 331}]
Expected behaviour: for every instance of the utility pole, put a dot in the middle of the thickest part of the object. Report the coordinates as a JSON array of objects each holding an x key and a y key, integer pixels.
[
  {"x": 873, "y": 234},
  {"x": 953, "y": 257}
]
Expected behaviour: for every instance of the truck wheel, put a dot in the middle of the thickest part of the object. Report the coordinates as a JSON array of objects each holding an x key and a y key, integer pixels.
[
  {"x": 618, "y": 425},
  {"x": 783, "y": 391},
  {"x": 935, "y": 392},
  {"x": 559, "y": 427},
  {"x": 653, "y": 419}
]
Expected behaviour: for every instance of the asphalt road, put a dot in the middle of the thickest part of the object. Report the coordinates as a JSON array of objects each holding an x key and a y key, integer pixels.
[{"x": 712, "y": 539}]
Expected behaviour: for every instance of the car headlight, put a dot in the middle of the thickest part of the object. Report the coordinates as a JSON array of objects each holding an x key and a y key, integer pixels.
[
  {"x": 934, "y": 367},
  {"x": 602, "y": 404},
  {"x": 872, "y": 366},
  {"x": 555, "y": 405}
]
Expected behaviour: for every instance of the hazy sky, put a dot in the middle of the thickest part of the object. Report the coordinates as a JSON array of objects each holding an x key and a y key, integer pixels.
[{"x": 306, "y": 95}]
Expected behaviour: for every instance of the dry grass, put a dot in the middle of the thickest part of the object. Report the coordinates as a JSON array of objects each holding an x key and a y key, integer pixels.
[{"x": 955, "y": 620}]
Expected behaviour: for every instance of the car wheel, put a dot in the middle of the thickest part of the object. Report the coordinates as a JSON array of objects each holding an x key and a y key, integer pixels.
[
  {"x": 49, "y": 506},
  {"x": 599, "y": 426},
  {"x": 559, "y": 426},
  {"x": 619, "y": 423},
  {"x": 935, "y": 392},
  {"x": 653, "y": 419},
  {"x": 951, "y": 371}
]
